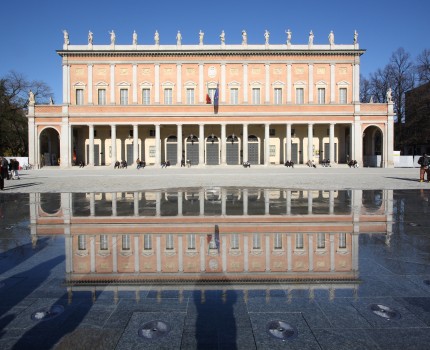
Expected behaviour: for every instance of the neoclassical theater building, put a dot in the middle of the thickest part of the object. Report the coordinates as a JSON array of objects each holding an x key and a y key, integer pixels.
[{"x": 210, "y": 104}]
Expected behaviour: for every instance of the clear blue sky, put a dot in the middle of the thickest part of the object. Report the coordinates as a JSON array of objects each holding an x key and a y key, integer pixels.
[{"x": 31, "y": 31}]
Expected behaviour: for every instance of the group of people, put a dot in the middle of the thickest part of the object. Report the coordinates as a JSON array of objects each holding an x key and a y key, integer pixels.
[
  {"x": 5, "y": 168},
  {"x": 353, "y": 163},
  {"x": 120, "y": 165},
  {"x": 140, "y": 164},
  {"x": 289, "y": 164}
]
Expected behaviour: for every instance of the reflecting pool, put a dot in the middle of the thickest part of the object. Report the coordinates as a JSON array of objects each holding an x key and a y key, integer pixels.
[{"x": 215, "y": 268}]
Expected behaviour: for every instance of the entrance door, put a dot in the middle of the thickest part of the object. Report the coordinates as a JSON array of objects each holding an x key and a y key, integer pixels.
[
  {"x": 232, "y": 153},
  {"x": 130, "y": 156},
  {"x": 212, "y": 153},
  {"x": 172, "y": 153},
  {"x": 193, "y": 153},
  {"x": 295, "y": 153},
  {"x": 253, "y": 152},
  {"x": 327, "y": 152},
  {"x": 96, "y": 154}
]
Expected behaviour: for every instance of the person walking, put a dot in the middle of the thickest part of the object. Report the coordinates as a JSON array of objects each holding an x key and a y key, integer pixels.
[
  {"x": 423, "y": 161},
  {"x": 3, "y": 172},
  {"x": 15, "y": 168}
]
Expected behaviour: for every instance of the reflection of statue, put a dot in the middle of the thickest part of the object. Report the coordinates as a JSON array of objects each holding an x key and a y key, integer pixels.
[
  {"x": 178, "y": 38},
  {"x": 244, "y": 37},
  {"x": 201, "y": 35},
  {"x": 112, "y": 37},
  {"x": 90, "y": 37},
  {"x": 311, "y": 38},
  {"x": 266, "y": 37},
  {"x": 222, "y": 37},
  {"x": 355, "y": 37},
  {"x": 134, "y": 38},
  {"x": 66, "y": 37},
  {"x": 157, "y": 38},
  {"x": 31, "y": 99},
  {"x": 389, "y": 95},
  {"x": 288, "y": 32},
  {"x": 331, "y": 38}
]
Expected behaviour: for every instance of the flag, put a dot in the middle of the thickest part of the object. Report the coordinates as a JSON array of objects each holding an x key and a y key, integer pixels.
[
  {"x": 216, "y": 96},
  {"x": 217, "y": 237},
  {"x": 208, "y": 99}
]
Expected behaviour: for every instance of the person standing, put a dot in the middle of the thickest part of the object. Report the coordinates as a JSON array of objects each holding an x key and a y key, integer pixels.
[
  {"x": 15, "y": 168},
  {"x": 424, "y": 167},
  {"x": 3, "y": 171}
]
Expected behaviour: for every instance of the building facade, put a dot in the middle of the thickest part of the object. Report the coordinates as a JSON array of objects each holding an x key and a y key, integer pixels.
[{"x": 210, "y": 104}]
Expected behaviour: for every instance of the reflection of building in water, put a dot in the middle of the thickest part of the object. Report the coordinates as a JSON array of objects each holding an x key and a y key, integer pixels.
[{"x": 212, "y": 235}]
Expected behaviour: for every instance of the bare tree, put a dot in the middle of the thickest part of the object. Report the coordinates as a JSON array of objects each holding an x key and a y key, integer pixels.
[
  {"x": 423, "y": 66},
  {"x": 14, "y": 90}
]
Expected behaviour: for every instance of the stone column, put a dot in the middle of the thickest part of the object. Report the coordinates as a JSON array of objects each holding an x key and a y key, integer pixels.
[
  {"x": 90, "y": 84},
  {"x": 356, "y": 78},
  {"x": 245, "y": 83},
  {"x": 157, "y": 83},
  {"x": 113, "y": 142},
  {"x": 66, "y": 84},
  {"x": 266, "y": 202},
  {"x": 64, "y": 143},
  {"x": 114, "y": 204},
  {"x": 33, "y": 149},
  {"x": 136, "y": 203},
  {"x": 180, "y": 143},
  {"x": 202, "y": 144},
  {"x": 201, "y": 84},
  {"x": 267, "y": 83},
  {"x": 223, "y": 145},
  {"x": 134, "y": 100},
  {"x": 245, "y": 201},
  {"x": 288, "y": 202},
  {"x": 358, "y": 141},
  {"x": 179, "y": 83},
  {"x": 223, "y": 83},
  {"x": 201, "y": 202},
  {"x": 288, "y": 143},
  {"x": 92, "y": 204},
  {"x": 332, "y": 83},
  {"x": 331, "y": 202},
  {"x": 157, "y": 145},
  {"x": 245, "y": 143},
  {"x": 91, "y": 145},
  {"x": 310, "y": 202},
  {"x": 180, "y": 200},
  {"x": 310, "y": 141},
  {"x": 266, "y": 144},
  {"x": 135, "y": 142},
  {"x": 311, "y": 83},
  {"x": 331, "y": 156},
  {"x": 112, "y": 84},
  {"x": 389, "y": 142},
  {"x": 289, "y": 84}
]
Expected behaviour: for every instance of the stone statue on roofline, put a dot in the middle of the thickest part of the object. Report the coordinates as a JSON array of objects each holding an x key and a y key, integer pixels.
[
  {"x": 289, "y": 35},
  {"x": 389, "y": 95},
  {"x": 355, "y": 37},
  {"x": 311, "y": 38},
  {"x": 66, "y": 37},
  {"x": 157, "y": 38},
  {"x": 90, "y": 37},
  {"x": 222, "y": 37},
  {"x": 201, "y": 36},
  {"x": 134, "y": 38},
  {"x": 112, "y": 37},
  {"x": 178, "y": 38},
  {"x": 331, "y": 38},
  {"x": 266, "y": 37},
  {"x": 31, "y": 99},
  {"x": 244, "y": 37}
]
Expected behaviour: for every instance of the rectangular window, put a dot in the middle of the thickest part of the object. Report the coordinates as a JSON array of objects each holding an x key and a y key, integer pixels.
[
  {"x": 146, "y": 96},
  {"x": 342, "y": 96},
  {"x": 321, "y": 241},
  {"x": 299, "y": 240},
  {"x": 300, "y": 96},
  {"x": 123, "y": 94},
  {"x": 125, "y": 242},
  {"x": 278, "y": 241},
  {"x": 101, "y": 96},
  {"x": 168, "y": 96},
  {"x": 190, "y": 96},
  {"x": 169, "y": 242},
  {"x": 256, "y": 241},
  {"x": 103, "y": 242},
  {"x": 147, "y": 242},
  {"x": 82, "y": 243},
  {"x": 79, "y": 96},
  {"x": 234, "y": 96},
  {"x": 234, "y": 241},
  {"x": 321, "y": 96},
  {"x": 191, "y": 238},
  {"x": 255, "y": 96},
  {"x": 342, "y": 240},
  {"x": 278, "y": 96}
]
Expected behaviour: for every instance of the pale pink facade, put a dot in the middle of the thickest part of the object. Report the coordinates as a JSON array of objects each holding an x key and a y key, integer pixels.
[{"x": 123, "y": 102}]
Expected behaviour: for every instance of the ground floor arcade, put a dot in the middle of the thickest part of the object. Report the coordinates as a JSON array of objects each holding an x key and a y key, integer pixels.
[{"x": 211, "y": 144}]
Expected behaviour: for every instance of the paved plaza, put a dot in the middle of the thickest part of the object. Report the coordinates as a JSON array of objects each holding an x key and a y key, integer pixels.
[{"x": 106, "y": 179}]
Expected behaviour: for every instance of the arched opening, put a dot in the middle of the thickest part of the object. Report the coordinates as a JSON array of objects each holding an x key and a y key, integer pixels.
[
  {"x": 212, "y": 150},
  {"x": 50, "y": 203},
  {"x": 171, "y": 149},
  {"x": 192, "y": 149},
  {"x": 253, "y": 149},
  {"x": 49, "y": 147},
  {"x": 233, "y": 150},
  {"x": 372, "y": 147}
]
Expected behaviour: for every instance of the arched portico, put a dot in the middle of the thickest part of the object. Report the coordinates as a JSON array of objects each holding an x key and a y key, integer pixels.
[
  {"x": 49, "y": 147},
  {"x": 373, "y": 147}
]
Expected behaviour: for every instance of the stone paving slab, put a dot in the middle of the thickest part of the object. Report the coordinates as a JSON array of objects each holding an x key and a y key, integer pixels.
[{"x": 106, "y": 179}]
